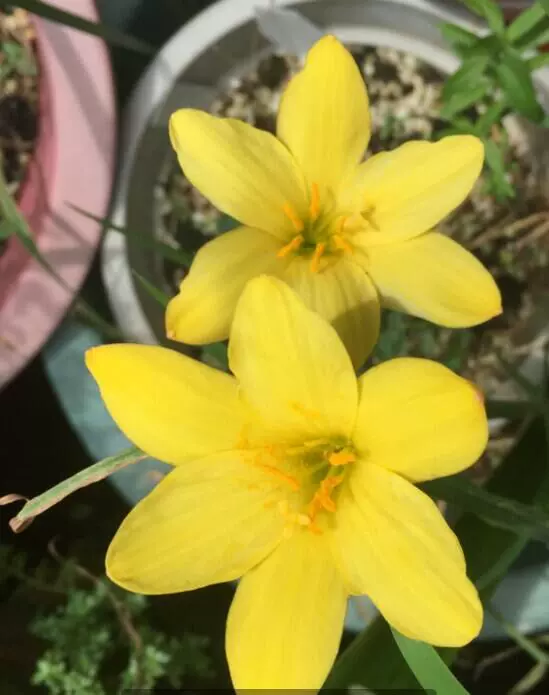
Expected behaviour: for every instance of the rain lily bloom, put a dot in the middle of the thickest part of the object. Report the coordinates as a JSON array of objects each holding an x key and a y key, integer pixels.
[
  {"x": 299, "y": 478},
  {"x": 344, "y": 234}
]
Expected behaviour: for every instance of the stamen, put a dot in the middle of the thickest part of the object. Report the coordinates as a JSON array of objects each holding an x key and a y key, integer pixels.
[
  {"x": 341, "y": 243},
  {"x": 341, "y": 458},
  {"x": 322, "y": 498},
  {"x": 285, "y": 477},
  {"x": 317, "y": 255},
  {"x": 292, "y": 216},
  {"x": 314, "y": 206},
  {"x": 294, "y": 244}
]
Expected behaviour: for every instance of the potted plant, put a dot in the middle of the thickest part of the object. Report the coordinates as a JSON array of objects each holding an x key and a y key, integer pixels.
[
  {"x": 71, "y": 164},
  {"x": 198, "y": 92}
]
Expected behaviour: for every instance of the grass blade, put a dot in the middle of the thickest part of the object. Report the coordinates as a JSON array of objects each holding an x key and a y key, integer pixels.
[
  {"x": 430, "y": 670},
  {"x": 108, "y": 33},
  {"x": 494, "y": 509},
  {"x": 161, "y": 297},
  {"x": 177, "y": 256},
  {"x": 92, "y": 474}
]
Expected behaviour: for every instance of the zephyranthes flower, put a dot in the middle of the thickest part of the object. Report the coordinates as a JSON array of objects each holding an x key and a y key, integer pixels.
[
  {"x": 343, "y": 234},
  {"x": 298, "y": 478}
]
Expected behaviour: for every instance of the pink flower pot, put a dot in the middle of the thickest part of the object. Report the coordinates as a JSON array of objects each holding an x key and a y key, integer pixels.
[{"x": 72, "y": 164}]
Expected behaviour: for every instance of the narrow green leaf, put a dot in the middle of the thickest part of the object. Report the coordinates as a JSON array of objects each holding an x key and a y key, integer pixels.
[
  {"x": 161, "y": 297},
  {"x": 108, "y": 33},
  {"x": 545, "y": 6},
  {"x": 493, "y": 114},
  {"x": 92, "y": 474},
  {"x": 89, "y": 315},
  {"x": 491, "y": 12},
  {"x": 457, "y": 36},
  {"x": 19, "y": 228},
  {"x": 218, "y": 354},
  {"x": 6, "y": 230},
  {"x": 537, "y": 36},
  {"x": 427, "y": 666},
  {"x": 495, "y": 162},
  {"x": 526, "y": 644},
  {"x": 515, "y": 79},
  {"x": 524, "y": 23},
  {"x": 494, "y": 509},
  {"x": 463, "y": 100},
  {"x": 177, "y": 256},
  {"x": 466, "y": 78},
  {"x": 538, "y": 61}
]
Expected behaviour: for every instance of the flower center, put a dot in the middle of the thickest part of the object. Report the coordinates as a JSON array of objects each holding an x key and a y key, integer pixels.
[
  {"x": 311, "y": 473},
  {"x": 320, "y": 235}
]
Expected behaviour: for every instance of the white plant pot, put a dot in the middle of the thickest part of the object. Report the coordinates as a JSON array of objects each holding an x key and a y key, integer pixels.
[{"x": 222, "y": 42}]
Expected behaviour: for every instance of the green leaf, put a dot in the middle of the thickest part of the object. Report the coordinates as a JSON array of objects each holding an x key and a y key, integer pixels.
[
  {"x": 429, "y": 669},
  {"x": 537, "y": 36},
  {"x": 466, "y": 78},
  {"x": 490, "y": 11},
  {"x": 143, "y": 238},
  {"x": 463, "y": 100},
  {"x": 494, "y": 509},
  {"x": 538, "y": 61},
  {"x": 108, "y": 33},
  {"x": 217, "y": 354},
  {"x": 495, "y": 162},
  {"x": 6, "y": 230},
  {"x": 161, "y": 297},
  {"x": 524, "y": 23},
  {"x": 92, "y": 474},
  {"x": 545, "y": 6},
  {"x": 493, "y": 114},
  {"x": 458, "y": 37},
  {"x": 514, "y": 78}
]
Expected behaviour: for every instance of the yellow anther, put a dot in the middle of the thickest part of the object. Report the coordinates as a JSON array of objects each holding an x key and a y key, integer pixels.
[
  {"x": 285, "y": 477},
  {"x": 294, "y": 244},
  {"x": 314, "y": 205},
  {"x": 303, "y": 519},
  {"x": 317, "y": 255},
  {"x": 341, "y": 458},
  {"x": 293, "y": 217},
  {"x": 341, "y": 243}
]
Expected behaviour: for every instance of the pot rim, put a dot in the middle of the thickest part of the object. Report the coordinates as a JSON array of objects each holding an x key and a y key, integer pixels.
[{"x": 72, "y": 163}]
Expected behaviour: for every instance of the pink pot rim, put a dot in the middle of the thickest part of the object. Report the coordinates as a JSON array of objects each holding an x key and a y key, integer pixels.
[{"x": 72, "y": 164}]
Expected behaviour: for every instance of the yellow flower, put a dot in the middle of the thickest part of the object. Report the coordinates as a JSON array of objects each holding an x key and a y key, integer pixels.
[
  {"x": 299, "y": 478},
  {"x": 343, "y": 234}
]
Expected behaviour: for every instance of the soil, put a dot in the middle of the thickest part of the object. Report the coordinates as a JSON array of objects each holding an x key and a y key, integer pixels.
[
  {"x": 18, "y": 96},
  {"x": 510, "y": 237}
]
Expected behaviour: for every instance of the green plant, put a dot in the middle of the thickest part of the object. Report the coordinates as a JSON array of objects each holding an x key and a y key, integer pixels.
[
  {"x": 99, "y": 639},
  {"x": 495, "y": 79},
  {"x": 16, "y": 59}
]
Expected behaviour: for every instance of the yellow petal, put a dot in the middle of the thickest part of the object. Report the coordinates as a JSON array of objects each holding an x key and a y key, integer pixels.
[
  {"x": 203, "y": 310},
  {"x": 323, "y": 116},
  {"x": 291, "y": 365},
  {"x": 392, "y": 543},
  {"x": 208, "y": 521},
  {"x": 419, "y": 419},
  {"x": 411, "y": 189},
  {"x": 243, "y": 171},
  {"x": 435, "y": 278},
  {"x": 344, "y": 295},
  {"x": 286, "y": 619},
  {"x": 172, "y": 407}
]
